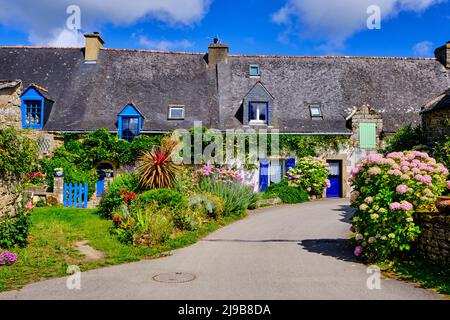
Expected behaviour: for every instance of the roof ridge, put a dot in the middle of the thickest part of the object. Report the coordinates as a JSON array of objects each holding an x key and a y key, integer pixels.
[
  {"x": 327, "y": 57},
  {"x": 38, "y": 47},
  {"x": 153, "y": 51},
  {"x": 231, "y": 55}
]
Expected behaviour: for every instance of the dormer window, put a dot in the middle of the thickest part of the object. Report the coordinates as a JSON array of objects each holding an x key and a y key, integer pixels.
[
  {"x": 129, "y": 122},
  {"x": 315, "y": 111},
  {"x": 254, "y": 70},
  {"x": 35, "y": 107},
  {"x": 258, "y": 112},
  {"x": 176, "y": 112}
]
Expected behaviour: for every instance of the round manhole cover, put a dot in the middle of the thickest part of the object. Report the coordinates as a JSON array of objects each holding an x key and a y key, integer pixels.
[{"x": 174, "y": 277}]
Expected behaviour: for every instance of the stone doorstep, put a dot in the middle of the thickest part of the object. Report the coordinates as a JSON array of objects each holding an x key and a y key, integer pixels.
[{"x": 90, "y": 253}]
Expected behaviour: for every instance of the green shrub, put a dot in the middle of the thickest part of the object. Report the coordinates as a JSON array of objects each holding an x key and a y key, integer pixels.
[
  {"x": 164, "y": 198},
  {"x": 14, "y": 231},
  {"x": 407, "y": 138},
  {"x": 187, "y": 219},
  {"x": 387, "y": 190},
  {"x": 153, "y": 226},
  {"x": 18, "y": 153},
  {"x": 112, "y": 198},
  {"x": 286, "y": 193},
  {"x": 207, "y": 203},
  {"x": 72, "y": 172},
  {"x": 311, "y": 174},
  {"x": 236, "y": 197}
]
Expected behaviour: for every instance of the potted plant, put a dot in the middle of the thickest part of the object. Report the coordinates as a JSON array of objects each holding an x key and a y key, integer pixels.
[
  {"x": 108, "y": 173},
  {"x": 59, "y": 172}
]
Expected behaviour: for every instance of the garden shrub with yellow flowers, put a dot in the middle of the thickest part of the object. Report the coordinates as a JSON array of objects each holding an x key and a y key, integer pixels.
[{"x": 386, "y": 192}]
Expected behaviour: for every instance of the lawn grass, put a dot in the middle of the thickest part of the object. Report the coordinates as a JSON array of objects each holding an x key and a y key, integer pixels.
[
  {"x": 426, "y": 274},
  {"x": 421, "y": 272},
  {"x": 54, "y": 231}
]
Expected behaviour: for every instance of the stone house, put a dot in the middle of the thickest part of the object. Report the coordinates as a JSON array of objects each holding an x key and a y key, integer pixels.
[
  {"x": 436, "y": 118},
  {"x": 363, "y": 98}
]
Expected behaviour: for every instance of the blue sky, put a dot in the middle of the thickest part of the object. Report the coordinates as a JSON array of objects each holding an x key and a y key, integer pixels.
[{"x": 279, "y": 27}]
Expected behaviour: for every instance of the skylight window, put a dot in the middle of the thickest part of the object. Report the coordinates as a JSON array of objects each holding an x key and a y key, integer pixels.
[
  {"x": 176, "y": 112},
  {"x": 254, "y": 70},
  {"x": 315, "y": 111}
]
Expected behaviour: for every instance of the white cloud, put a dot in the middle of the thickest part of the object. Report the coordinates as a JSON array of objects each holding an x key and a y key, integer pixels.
[
  {"x": 45, "y": 21},
  {"x": 164, "y": 45},
  {"x": 424, "y": 49},
  {"x": 67, "y": 38},
  {"x": 336, "y": 21}
]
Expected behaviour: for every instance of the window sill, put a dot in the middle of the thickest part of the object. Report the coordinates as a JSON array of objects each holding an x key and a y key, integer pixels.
[{"x": 257, "y": 123}]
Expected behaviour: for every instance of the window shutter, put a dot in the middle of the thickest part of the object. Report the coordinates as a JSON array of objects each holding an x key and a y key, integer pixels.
[{"x": 367, "y": 135}]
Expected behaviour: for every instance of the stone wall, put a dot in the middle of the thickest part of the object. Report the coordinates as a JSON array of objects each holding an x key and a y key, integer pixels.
[
  {"x": 436, "y": 124},
  {"x": 434, "y": 241},
  {"x": 10, "y": 103},
  {"x": 367, "y": 115},
  {"x": 9, "y": 196}
]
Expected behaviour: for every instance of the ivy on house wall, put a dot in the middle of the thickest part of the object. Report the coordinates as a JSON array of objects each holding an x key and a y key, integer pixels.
[{"x": 81, "y": 153}]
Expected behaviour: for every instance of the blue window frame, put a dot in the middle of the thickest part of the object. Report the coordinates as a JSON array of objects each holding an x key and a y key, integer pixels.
[
  {"x": 32, "y": 109},
  {"x": 129, "y": 122},
  {"x": 258, "y": 112},
  {"x": 130, "y": 128}
]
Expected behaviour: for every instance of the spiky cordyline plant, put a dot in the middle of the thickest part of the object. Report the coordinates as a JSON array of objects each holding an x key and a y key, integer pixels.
[{"x": 156, "y": 168}]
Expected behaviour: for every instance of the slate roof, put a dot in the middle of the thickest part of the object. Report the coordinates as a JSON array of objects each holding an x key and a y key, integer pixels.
[
  {"x": 89, "y": 96},
  {"x": 440, "y": 102}
]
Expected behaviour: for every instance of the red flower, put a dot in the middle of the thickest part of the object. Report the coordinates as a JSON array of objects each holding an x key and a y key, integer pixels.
[
  {"x": 117, "y": 219},
  {"x": 132, "y": 195}
]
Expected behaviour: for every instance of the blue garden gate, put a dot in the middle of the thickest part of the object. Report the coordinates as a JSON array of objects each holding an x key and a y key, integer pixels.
[{"x": 76, "y": 195}]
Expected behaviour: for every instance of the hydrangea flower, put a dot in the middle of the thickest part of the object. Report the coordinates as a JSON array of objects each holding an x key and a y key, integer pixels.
[
  {"x": 401, "y": 189},
  {"x": 358, "y": 251},
  {"x": 358, "y": 237},
  {"x": 373, "y": 171},
  {"x": 395, "y": 206}
]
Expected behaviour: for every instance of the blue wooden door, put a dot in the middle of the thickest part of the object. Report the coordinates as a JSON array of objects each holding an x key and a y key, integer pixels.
[
  {"x": 101, "y": 177},
  {"x": 263, "y": 175},
  {"x": 290, "y": 163},
  {"x": 101, "y": 184},
  {"x": 335, "y": 177}
]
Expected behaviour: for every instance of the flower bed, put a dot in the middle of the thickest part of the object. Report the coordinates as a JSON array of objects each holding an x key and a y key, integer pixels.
[{"x": 387, "y": 190}]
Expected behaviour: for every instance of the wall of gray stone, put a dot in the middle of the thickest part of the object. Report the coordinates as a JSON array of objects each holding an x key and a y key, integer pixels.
[
  {"x": 10, "y": 104},
  {"x": 10, "y": 196},
  {"x": 434, "y": 241},
  {"x": 436, "y": 124}
]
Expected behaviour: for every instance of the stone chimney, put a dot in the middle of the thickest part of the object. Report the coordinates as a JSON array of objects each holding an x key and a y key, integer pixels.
[
  {"x": 217, "y": 53},
  {"x": 443, "y": 54},
  {"x": 94, "y": 43}
]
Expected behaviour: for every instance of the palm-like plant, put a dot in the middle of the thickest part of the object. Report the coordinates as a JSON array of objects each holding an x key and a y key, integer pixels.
[{"x": 156, "y": 168}]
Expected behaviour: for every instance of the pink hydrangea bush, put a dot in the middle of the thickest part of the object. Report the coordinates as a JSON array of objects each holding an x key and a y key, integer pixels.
[
  {"x": 221, "y": 174},
  {"x": 386, "y": 192},
  {"x": 311, "y": 174}
]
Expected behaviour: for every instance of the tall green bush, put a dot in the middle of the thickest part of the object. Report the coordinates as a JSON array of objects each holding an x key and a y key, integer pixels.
[
  {"x": 112, "y": 198},
  {"x": 18, "y": 153}
]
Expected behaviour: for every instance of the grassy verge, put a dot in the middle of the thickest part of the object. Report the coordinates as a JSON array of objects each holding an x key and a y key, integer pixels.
[
  {"x": 419, "y": 271},
  {"x": 54, "y": 231}
]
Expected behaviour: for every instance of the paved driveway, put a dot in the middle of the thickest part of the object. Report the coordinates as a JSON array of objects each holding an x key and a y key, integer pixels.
[{"x": 284, "y": 252}]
